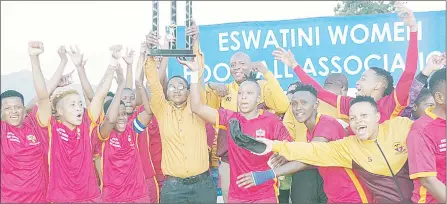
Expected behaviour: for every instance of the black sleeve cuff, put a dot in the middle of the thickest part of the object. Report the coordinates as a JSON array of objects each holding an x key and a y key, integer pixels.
[{"x": 422, "y": 78}]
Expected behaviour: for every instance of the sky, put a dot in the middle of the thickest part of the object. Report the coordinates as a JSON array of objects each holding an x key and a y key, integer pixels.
[{"x": 95, "y": 26}]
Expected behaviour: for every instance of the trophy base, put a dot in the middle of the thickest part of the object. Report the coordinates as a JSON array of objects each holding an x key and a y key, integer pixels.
[{"x": 171, "y": 53}]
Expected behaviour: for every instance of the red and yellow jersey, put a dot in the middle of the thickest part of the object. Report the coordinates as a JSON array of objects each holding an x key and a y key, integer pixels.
[
  {"x": 364, "y": 157},
  {"x": 426, "y": 154},
  {"x": 72, "y": 175},
  {"x": 123, "y": 175},
  {"x": 341, "y": 184},
  {"x": 266, "y": 125},
  {"x": 24, "y": 170}
]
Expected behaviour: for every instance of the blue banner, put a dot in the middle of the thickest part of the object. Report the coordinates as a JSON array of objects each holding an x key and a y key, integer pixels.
[{"x": 321, "y": 45}]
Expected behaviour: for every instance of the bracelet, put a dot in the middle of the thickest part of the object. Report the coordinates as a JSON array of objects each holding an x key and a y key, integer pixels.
[{"x": 195, "y": 77}]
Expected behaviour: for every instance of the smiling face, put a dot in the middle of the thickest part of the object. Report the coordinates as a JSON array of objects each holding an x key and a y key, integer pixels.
[
  {"x": 177, "y": 91},
  {"x": 364, "y": 120},
  {"x": 248, "y": 96},
  {"x": 419, "y": 109},
  {"x": 13, "y": 111},
  {"x": 128, "y": 97},
  {"x": 121, "y": 122},
  {"x": 304, "y": 105},
  {"x": 239, "y": 66},
  {"x": 70, "y": 110},
  {"x": 368, "y": 83}
]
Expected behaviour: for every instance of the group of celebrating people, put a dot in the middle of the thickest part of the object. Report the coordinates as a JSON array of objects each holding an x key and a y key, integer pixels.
[{"x": 159, "y": 142}]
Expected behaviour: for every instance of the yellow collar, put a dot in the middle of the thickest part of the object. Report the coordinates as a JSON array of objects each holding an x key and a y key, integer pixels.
[{"x": 429, "y": 113}]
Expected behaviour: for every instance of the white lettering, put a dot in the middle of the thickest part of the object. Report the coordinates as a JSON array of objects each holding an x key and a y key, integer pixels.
[
  {"x": 275, "y": 69},
  {"x": 302, "y": 35},
  {"x": 270, "y": 39},
  {"x": 309, "y": 67},
  {"x": 338, "y": 34},
  {"x": 367, "y": 59},
  {"x": 235, "y": 40},
  {"x": 322, "y": 64},
  {"x": 284, "y": 33},
  {"x": 227, "y": 69},
  {"x": 317, "y": 36},
  {"x": 365, "y": 31},
  {"x": 334, "y": 62},
  {"x": 381, "y": 34},
  {"x": 398, "y": 63},
  {"x": 359, "y": 65},
  {"x": 398, "y": 29},
  {"x": 251, "y": 39},
  {"x": 222, "y": 41},
  {"x": 292, "y": 38}
]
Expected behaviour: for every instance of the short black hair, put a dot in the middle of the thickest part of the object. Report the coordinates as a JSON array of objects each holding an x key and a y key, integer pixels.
[
  {"x": 111, "y": 94},
  {"x": 297, "y": 83},
  {"x": 436, "y": 80},
  {"x": 252, "y": 76},
  {"x": 180, "y": 77},
  {"x": 388, "y": 78},
  {"x": 367, "y": 99},
  {"x": 305, "y": 87},
  {"x": 107, "y": 105},
  {"x": 424, "y": 94},
  {"x": 12, "y": 93}
]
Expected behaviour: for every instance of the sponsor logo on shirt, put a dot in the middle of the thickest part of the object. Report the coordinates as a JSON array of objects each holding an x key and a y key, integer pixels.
[
  {"x": 62, "y": 133},
  {"x": 114, "y": 142},
  {"x": 32, "y": 140},
  {"x": 399, "y": 148},
  {"x": 228, "y": 99},
  {"x": 12, "y": 137},
  {"x": 78, "y": 133},
  {"x": 442, "y": 146},
  {"x": 129, "y": 138},
  {"x": 260, "y": 133}
]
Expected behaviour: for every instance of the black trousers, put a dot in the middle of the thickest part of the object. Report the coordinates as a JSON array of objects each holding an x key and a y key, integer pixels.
[
  {"x": 195, "y": 189},
  {"x": 284, "y": 196},
  {"x": 307, "y": 187}
]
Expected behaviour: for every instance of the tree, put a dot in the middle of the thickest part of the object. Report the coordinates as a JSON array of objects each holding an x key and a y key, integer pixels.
[{"x": 354, "y": 8}]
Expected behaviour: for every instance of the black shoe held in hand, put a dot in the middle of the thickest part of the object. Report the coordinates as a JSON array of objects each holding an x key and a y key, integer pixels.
[{"x": 243, "y": 140}]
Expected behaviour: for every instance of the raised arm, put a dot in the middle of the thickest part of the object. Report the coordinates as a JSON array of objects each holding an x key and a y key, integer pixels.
[
  {"x": 97, "y": 102},
  {"x": 274, "y": 96},
  {"x": 197, "y": 106},
  {"x": 79, "y": 62},
  {"x": 128, "y": 58},
  {"x": 145, "y": 116},
  {"x": 411, "y": 62},
  {"x": 139, "y": 75},
  {"x": 111, "y": 117},
  {"x": 193, "y": 31},
  {"x": 35, "y": 48},
  {"x": 57, "y": 80},
  {"x": 157, "y": 101},
  {"x": 288, "y": 59},
  {"x": 163, "y": 66}
]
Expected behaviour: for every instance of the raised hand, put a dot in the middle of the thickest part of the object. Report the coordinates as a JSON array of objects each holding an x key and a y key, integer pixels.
[
  {"x": 193, "y": 30},
  {"x": 35, "y": 48},
  {"x": 407, "y": 16},
  {"x": 258, "y": 67},
  {"x": 77, "y": 57},
  {"x": 62, "y": 53},
  {"x": 221, "y": 89},
  {"x": 116, "y": 51},
  {"x": 120, "y": 75},
  {"x": 143, "y": 48},
  {"x": 192, "y": 65},
  {"x": 128, "y": 58},
  {"x": 66, "y": 79},
  {"x": 434, "y": 63},
  {"x": 152, "y": 39},
  {"x": 285, "y": 57}
]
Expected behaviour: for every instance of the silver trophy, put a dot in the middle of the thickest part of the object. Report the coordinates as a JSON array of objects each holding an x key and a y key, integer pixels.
[{"x": 172, "y": 32}]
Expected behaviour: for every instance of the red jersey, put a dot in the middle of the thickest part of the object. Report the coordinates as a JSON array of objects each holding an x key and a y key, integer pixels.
[
  {"x": 24, "y": 173},
  {"x": 266, "y": 125},
  {"x": 123, "y": 174},
  {"x": 426, "y": 154},
  {"x": 155, "y": 150},
  {"x": 341, "y": 184},
  {"x": 389, "y": 106},
  {"x": 72, "y": 174}
]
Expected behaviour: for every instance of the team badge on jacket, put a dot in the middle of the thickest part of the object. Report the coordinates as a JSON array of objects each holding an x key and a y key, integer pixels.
[
  {"x": 260, "y": 133},
  {"x": 32, "y": 139},
  {"x": 399, "y": 148}
]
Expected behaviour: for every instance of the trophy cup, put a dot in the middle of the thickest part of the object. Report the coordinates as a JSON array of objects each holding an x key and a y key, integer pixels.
[{"x": 172, "y": 32}]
